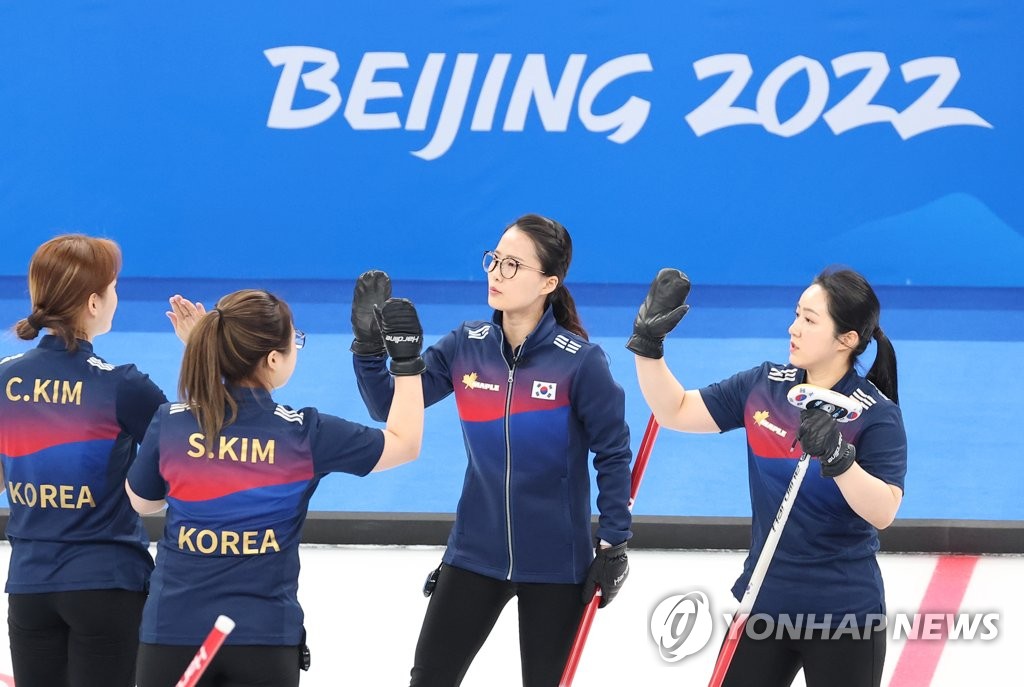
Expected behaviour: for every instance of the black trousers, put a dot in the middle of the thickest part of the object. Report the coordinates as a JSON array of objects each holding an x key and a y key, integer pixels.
[
  {"x": 463, "y": 610},
  {"x": 75, "y": 639},
  {"x": 161, "y": 665},
  {"x": 843, "y": 661}
]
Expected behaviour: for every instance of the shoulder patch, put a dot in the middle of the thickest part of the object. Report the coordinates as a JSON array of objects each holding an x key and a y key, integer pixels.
[
  {"x": 479, "y": 333},
  {"x": 784, "y": 374},
  {"x": 866, "y": 399},
  {"x": 567, "y": 344},
  {"x": 177, "y": 408},
  {"x": 11, "y": 357},
  {"x": 97, "y": 363},
  {"x": 295, "y": 416}
]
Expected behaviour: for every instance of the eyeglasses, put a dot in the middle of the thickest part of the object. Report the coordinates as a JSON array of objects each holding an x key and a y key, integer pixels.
[
  {"x": 300, "y": 339},
  {"x": 508, "y": 266}
]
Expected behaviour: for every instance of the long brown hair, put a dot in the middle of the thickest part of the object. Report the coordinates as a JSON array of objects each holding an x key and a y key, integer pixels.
[
  {"x": 64, "y": 272},
  {"x": 227, "y": 348},
  {"x": 554, "y": 250}
]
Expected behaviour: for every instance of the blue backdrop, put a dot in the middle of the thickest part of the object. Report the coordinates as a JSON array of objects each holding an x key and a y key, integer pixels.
[
  {"x": 747, "y": 142},
  {"x": 294, "y": 145}
]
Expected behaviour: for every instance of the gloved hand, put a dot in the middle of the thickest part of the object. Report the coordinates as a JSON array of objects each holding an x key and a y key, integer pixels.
[
  {"x": 820, "y": 438},
  {"x": 372, "y": 289},
  {"x": 403, "y": 336},
  {"x": 609, "y": 570},
  {"x": 664, "y": 306}
]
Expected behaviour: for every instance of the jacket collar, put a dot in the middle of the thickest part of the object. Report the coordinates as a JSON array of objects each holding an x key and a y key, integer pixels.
[
  {"x": 56, "y": 343},
  {"x": 544, "y": 330},
  {"x": 250, "y": 394},
  {"x": 846, "y": 384}
]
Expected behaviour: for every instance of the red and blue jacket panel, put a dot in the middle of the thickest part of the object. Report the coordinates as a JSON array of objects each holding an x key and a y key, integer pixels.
[
  {"x": 530, "y": 419},
  {"x": 70, "y": 425}
]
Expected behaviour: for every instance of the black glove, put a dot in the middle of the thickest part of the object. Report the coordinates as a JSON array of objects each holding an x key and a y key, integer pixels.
[
  {"x": 664, "y": 306},
  {"x": 608, "y": 571},
  {"x": 820, "y": 438},
  {"x": 403, "y": 336},
  {"x": 372, "y": 289}
]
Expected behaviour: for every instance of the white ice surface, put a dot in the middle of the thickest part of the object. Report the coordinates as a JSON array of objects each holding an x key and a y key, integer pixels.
[{"x": 364, "y": 606}]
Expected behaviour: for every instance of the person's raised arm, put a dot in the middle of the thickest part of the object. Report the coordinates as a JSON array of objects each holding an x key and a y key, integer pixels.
[
  {"x": 403, "y": 339},
  {"x": 369, "y": 356},
  {"x": 184, "y": 314},
  {"x": 673, "y": 406}
]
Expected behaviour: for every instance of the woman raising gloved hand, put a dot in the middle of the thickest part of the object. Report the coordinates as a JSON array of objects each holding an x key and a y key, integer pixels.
[
  {"x": 824, "y": 569},
  {"x": 535, "y": 398}
]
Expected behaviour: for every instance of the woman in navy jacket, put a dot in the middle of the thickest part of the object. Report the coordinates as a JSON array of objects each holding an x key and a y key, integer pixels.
[
  {"x": 535, "y": 397},
  {"x": 824, "y": 581},
  {"x": 70, "y": 425},
  {"x": 236, "y": 471}
]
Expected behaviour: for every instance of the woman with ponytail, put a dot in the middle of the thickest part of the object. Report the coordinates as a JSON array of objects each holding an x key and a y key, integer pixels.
[
  {"x": 824, "y": 585},
  {"x": 535, "y": 398},
  {"x": 236, "y": 471},
  {"x": 70, "y": 425}
]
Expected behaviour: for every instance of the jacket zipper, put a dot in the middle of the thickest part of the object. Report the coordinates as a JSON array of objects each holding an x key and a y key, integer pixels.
[
  {"x": 508, "y": 451},
  {"x": 508, "y": 468}
]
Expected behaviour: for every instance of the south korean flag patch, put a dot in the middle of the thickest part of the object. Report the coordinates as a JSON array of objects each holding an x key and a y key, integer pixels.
[{"x": 544, "y": 390}]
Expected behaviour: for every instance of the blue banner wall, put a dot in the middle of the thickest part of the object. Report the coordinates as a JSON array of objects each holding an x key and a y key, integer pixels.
[{"x": 745, "y": 142}]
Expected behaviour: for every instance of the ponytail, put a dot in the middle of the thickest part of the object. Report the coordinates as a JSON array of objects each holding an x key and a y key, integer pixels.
[
  {"x": 564, "y": 309},
  {"x": 883, "y": 372},
  {"x": 228, "y": 347},
  {"x": 63, "y": 326},
  {"x": 200, "y": 383},
  {"x": 29, "y": 327},
  {"x": 854, "y": 307}
]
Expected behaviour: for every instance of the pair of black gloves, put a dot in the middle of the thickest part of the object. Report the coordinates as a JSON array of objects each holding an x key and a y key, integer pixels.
[
  {"x": 663, "y": 309},
  {"x": 385, "y": 325}
]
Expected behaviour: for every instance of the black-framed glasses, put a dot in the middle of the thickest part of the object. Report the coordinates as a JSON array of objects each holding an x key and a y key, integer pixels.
[
  {"x": 300, "y": 339},
  {"x": 507, "y": 266}
]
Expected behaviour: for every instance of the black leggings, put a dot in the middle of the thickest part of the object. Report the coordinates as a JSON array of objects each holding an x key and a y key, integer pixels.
[
  {"x": 464, "y": 608},
  {"x": 161, "y": 665},
  {"x": 75, "y": 639},
  {"x": 843, "y": 661}
]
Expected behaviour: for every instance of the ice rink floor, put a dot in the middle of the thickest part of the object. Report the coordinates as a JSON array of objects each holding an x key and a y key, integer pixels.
[{"x": 364, "y": 607}]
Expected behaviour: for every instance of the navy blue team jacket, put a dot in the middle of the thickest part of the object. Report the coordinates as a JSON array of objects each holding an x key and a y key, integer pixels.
[
  {"x": 825, "y": 563},
  {"x": 235, "y": 514},
  {"x": 69, "y": 429},
  {"x": 529, "y": 420}
]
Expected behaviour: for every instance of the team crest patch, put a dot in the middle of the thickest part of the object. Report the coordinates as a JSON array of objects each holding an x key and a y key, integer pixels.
[{"x": 544, "y": 390}]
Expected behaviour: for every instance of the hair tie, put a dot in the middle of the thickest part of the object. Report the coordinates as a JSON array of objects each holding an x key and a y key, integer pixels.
[
  {"x": 878, "y": 334},
  {"x": 33, "y": 322}
]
